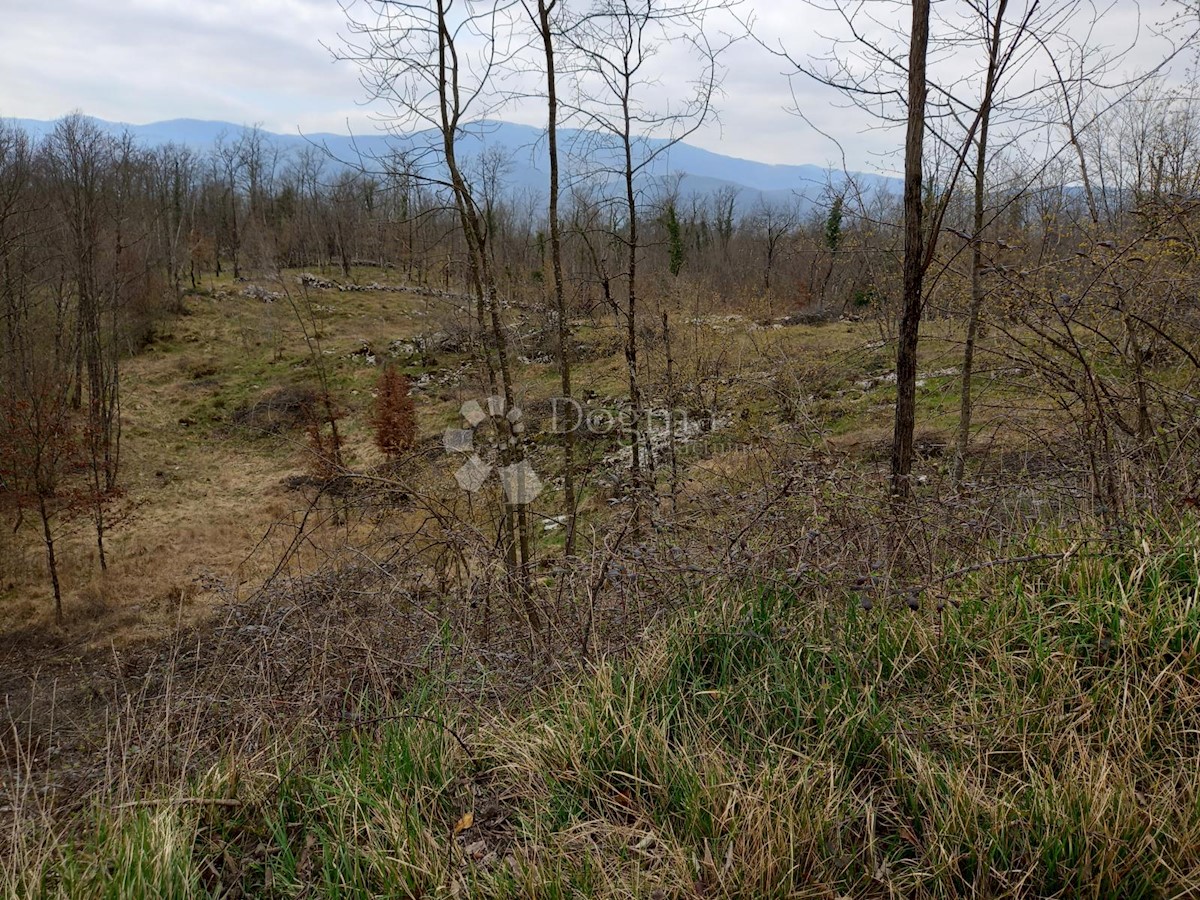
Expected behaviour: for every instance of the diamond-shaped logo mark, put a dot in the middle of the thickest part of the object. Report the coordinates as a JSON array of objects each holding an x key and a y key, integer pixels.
[
  {"x": 473, "y": 474},
  {"x": 458, "y": 440},
  {"x": 519, "y": 482},
  {"x": 473, "y": 413}
]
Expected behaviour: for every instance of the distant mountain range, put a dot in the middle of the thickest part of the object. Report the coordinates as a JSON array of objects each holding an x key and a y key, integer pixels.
[{"x": 698, "y": 172}]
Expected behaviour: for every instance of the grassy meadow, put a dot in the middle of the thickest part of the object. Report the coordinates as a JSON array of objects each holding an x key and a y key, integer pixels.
[{"x": 777, "y": 686}]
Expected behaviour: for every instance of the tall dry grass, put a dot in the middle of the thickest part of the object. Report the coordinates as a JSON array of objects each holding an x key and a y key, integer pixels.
[{"x": 1030, "y": 729}]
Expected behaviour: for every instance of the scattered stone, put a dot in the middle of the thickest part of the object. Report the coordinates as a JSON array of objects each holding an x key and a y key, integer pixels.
[
  {"x": 256, "y": 292},
  {"x": 315, "y": 281},
  {"x": 804, "y": 318},
  {"x": 726, "y": 324},
  {"x": 868, "y": 384},
  {"x": 364, "y": 355}
]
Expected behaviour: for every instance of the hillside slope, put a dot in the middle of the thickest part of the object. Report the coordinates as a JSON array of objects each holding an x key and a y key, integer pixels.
[{"x": 1033, "y": 735}]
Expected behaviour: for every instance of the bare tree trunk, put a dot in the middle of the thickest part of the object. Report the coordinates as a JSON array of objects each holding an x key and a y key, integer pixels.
[
  {"x": 968, "y": 366},
  {"x": 100, "y": 529},
  {"x": 236, "y": 241},
  {"x": 517, "y": 551},
  {"x": 631, "y": 349},
  {"x": 963, "y": 438},
  {"x": 914, "y": 252},
  {"x": 671, "y": 413},
  {"x": 51, "y": 559},
  {"x": 560, "y": 295},
  {"x": 1085, "y": 177}
]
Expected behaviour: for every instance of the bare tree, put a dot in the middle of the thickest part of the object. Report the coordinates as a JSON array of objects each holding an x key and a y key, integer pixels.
[
  {"x": 914, "y": 252},
  {"x": 434, "y": 64},
  {"x": 543, "y": 17},
  {"x": 85, "y": 166},
  {"x": 953, "y": 115},
  {"x": 1080, "y": 69},
  {"x": 40, "y": 450},
  {"x": 227, "y": 161},
  {"x": 173, "y": 174},
  {"x": 774, "y": 223},
  {"x": 615, "y": 41}
]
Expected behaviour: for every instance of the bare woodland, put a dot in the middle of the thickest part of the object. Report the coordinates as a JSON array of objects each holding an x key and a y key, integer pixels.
[{"x": 874, "y": 404}]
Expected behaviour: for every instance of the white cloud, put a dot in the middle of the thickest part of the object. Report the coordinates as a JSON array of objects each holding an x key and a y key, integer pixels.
[{"x": 262, "y": 61}]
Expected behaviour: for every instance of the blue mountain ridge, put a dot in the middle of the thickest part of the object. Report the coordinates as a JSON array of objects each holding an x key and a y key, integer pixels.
[{"x": 697, "y": 173}]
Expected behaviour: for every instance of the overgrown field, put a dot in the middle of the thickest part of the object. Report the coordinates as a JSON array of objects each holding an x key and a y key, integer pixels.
[
  {"x": 215, "y": 456},
  {"x": 1031, "y": 729},
  {"x": 769, "y": 679}
]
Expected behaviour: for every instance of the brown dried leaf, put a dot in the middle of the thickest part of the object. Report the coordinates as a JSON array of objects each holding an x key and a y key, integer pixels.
[{"x": 467, "y": 820}]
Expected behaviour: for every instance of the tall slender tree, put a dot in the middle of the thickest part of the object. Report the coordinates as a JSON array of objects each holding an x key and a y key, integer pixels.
[
  {"x": 543, "y": 17},
  {"x": 435, "y": 65},
  {"x": 615, "y": 42}
]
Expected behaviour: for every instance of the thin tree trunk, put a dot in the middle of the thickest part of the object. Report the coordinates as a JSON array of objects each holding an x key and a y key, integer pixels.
[
  {"x": 963, "y": 438},
  {"x": 51, "y": 560},
  {"x": 914, "y": 252},
  {"x": 631, "y": 354},
  {"x": 236, "y": 243},
  {"x": 671, "y": 414},
  {"x": 517, "y": 550},
  {"x": 560, "y": 294},
  {"x": 100, "y": 529}
]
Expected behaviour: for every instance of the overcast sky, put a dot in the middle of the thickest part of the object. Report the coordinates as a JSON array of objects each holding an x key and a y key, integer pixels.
[{"x": 262, "y": 61}]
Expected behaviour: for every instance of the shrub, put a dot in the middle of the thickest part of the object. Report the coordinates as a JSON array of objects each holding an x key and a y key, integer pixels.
[
  {"x": 324, "y": 441},
  {"x": 395, "y": 418}
]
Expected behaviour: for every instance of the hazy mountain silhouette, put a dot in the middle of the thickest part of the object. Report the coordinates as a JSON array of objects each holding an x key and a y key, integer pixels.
[{"x": 696, "y": 172}]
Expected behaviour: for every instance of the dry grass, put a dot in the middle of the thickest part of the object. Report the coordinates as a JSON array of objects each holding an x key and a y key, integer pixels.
[
  {"x": 1032, "y": 733},
  {"x": 775, "y": 684},
  {"x": 205, "y": 494}
]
